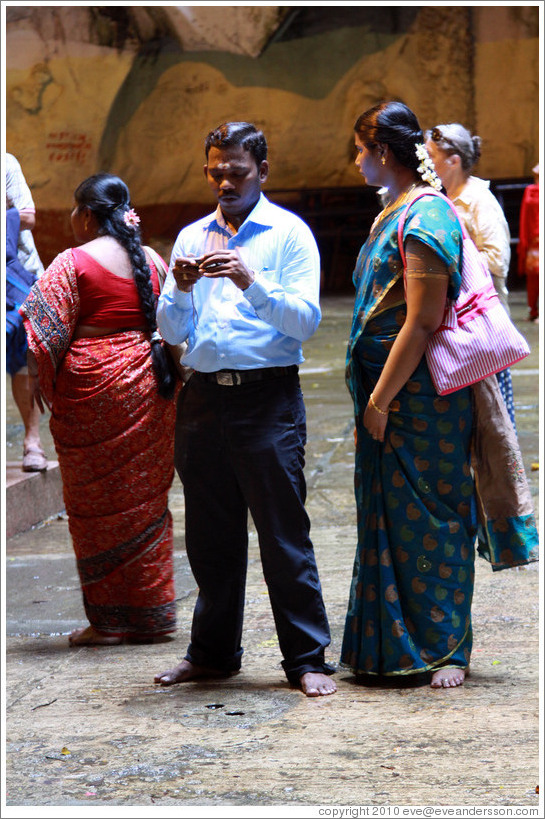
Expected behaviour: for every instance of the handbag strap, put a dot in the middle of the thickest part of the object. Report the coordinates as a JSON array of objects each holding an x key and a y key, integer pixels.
[
  {"x": 160, "y": 266},
  {"x": 403, "y": 219}
]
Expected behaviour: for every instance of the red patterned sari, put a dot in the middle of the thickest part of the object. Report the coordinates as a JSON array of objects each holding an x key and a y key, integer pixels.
[{"x": 114, "y": 437}]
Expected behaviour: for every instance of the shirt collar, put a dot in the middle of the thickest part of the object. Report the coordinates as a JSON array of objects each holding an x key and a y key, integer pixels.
[
  {"x": 472, "y": 185},
  {"x": 261, "y": 214}
]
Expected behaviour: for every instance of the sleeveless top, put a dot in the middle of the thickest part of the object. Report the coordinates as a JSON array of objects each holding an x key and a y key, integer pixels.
[{"x": 107, "y": 299}]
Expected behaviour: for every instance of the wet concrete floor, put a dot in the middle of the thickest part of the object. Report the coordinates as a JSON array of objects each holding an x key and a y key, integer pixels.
[{"x": 88, "y": 728}]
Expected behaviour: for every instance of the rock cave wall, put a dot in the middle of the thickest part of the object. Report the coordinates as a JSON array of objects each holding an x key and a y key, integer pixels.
[{"x": 84, "y": 94}]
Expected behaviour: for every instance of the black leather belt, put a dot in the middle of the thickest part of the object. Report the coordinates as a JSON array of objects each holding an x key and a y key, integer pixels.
[{"x": 232, "y": 378}]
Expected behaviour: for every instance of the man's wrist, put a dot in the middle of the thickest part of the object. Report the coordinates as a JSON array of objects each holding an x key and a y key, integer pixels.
[
  {"x": 182, "y": 297},
  {"x": 250, "y": 282}
]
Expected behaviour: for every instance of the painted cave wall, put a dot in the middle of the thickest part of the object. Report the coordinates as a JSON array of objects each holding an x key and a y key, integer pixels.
[{"x": 82, "y": 95}]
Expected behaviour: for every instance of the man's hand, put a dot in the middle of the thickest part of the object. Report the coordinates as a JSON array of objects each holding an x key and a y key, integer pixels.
[
  {"x": 229, "y": 264},
  {"x": 186, "y": 272}
]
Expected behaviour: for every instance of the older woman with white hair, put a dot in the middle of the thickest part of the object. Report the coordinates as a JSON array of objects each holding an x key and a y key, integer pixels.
[{"x": 455, "y": 152}]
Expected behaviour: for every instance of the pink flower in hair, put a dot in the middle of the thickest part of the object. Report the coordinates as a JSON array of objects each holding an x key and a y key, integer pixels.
[{"x": 131, "y": 218}]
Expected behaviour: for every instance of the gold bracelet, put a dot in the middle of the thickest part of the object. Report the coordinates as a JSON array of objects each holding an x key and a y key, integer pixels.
[{"x": 378, "y": 409}]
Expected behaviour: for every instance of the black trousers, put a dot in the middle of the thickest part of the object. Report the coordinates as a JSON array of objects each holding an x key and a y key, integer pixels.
[{"x": 238, "y": 449}]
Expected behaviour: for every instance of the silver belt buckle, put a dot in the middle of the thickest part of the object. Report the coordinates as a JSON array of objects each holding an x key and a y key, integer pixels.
[{"x": 228, "y": 379}]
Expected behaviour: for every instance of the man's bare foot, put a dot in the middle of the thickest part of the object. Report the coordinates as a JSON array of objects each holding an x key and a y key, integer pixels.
[
  {"x": 89, "y": 637},
  {"x": 316, "y": 684},
  {"x": 185, "y": 672},
  {"x": 448, "y": 678}
]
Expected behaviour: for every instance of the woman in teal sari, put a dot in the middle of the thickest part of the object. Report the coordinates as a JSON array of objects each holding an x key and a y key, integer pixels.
[{"x": 409, "y": 611}]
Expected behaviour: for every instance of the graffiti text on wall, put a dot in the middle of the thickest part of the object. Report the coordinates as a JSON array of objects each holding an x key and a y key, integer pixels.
[{"x": 68, "y": 146}]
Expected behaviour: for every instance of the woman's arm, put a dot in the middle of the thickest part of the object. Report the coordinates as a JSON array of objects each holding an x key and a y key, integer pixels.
[
  {"x": 28, "y": 220},
  {"x": 35, "y": 392},
  {"x": 50, "y": 314},
  {"x": 426, "y": 294}
]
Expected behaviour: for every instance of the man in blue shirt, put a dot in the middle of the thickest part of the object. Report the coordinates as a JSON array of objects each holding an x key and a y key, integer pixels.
[{"x": 243, "y": 292}]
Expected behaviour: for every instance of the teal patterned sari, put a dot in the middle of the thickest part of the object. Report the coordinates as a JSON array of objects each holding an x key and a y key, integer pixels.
[{"x": 409, "y": 609}]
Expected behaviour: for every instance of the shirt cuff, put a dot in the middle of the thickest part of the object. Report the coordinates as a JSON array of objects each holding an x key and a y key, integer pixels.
[
  {"x": 182, "y": 299},
  {"x": 256, "y": 294}
]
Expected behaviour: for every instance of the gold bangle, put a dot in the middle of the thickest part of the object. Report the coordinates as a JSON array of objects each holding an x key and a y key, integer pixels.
[{"x": 378, "y": 409}]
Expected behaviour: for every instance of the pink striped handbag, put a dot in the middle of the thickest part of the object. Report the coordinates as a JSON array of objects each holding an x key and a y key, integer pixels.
[{"x": 476, "y": 338}]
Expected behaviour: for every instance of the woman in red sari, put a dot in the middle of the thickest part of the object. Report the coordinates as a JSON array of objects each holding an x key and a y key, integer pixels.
[
  {"x": 528, "y": 246},
  {"x": 99, "y": 363}
]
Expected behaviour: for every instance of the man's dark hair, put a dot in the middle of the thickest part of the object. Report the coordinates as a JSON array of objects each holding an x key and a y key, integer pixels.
[{"x": 238, "y": 133}]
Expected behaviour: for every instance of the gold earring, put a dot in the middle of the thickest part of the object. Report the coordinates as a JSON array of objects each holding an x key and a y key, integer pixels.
[{"x": 383, "y": 160}]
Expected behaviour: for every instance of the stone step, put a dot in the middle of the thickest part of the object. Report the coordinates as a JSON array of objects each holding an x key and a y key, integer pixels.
[{"x": 31, "y": 497}]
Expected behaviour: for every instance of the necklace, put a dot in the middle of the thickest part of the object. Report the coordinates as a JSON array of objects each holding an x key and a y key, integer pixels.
[{"x": 397, "y": 202}]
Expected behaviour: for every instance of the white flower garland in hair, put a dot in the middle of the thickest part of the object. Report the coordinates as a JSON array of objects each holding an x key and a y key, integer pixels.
[{"x": 426, "y": 168}]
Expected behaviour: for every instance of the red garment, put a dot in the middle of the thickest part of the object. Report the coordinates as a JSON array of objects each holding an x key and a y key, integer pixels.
[
  {"x": 528, "y": 229},
  {"x": 114, "y": 437},
  {"x": 532, "y": 293},
  {"x": 107, "y": 299},
  {"x": 528, "y": 247}
]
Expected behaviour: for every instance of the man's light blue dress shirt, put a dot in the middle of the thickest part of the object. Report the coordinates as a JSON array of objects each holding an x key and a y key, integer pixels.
[{"x": 262, "y": 326}]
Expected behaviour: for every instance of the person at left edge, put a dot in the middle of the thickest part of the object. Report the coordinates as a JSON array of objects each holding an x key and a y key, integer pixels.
[
  {"x": 23, "y": 267},
  {"x": 243, "y": 291}
]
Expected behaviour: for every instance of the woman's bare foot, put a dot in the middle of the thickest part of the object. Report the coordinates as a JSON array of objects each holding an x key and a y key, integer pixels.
[
  {"x": 185, "y": 672},
  {"x": 89, "y": 637},
  {"x": 314, "y": 684},
  {"x": 448, "y": 678}
]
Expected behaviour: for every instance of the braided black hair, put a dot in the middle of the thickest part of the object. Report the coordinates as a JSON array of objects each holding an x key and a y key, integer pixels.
[{"x": 107, "y": 196}]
